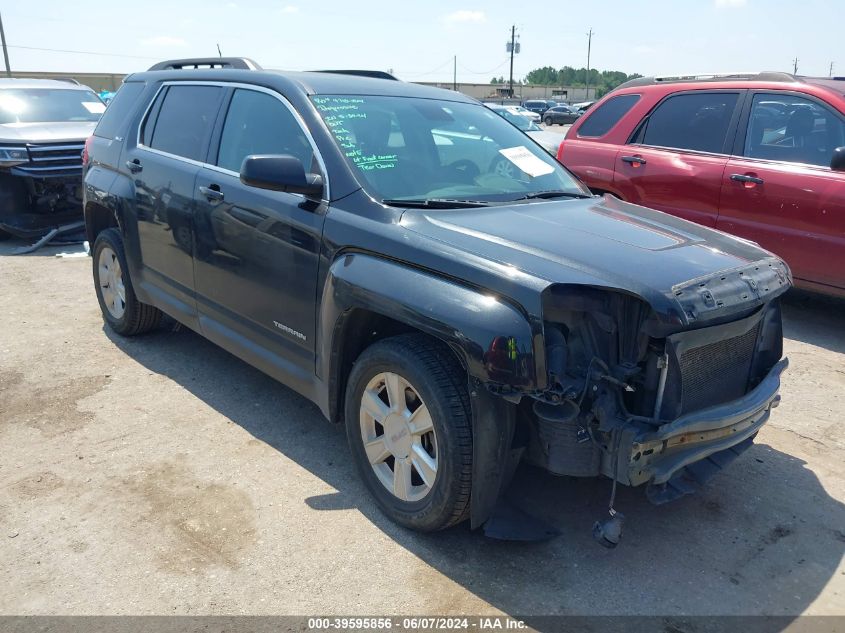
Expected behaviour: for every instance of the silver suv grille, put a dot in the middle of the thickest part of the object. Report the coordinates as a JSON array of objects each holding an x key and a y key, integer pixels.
[{"x": 53, "y": 159}]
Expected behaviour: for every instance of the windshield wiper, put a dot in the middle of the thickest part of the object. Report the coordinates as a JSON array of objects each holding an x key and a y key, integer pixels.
[
  {"x": 435, "y": 203},
  {"x": 553, "y": 193}
]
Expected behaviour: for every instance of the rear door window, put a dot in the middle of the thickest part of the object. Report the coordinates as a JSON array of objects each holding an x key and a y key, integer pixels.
[
  {"x": 185, "y": 120},
  {"x": 697, "y": 121},
  {"x": 600, "y": 121},
  {"x": 789, "y": 128}
]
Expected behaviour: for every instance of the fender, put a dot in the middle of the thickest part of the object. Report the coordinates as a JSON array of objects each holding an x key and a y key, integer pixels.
[{"x": 493, "y": 339}]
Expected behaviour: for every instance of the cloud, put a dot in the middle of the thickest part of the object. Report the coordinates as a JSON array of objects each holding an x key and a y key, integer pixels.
[
  {"x": 464, "y": 16},
  {"x": 644, "y": 49},
  {"x": 232, "y": 5},
  {"x": 730, "y": 4},
  {"x": 164, "y": 41},
  {"x": 289, "y": 9}
]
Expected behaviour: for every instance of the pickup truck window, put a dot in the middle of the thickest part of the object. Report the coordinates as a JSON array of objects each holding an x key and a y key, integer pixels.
[
  {"x": 48, "y": 105},
  {"x": 258, "y": 123},
  {"x": 453, "y": 150},
  {"x": 185, "y": 119}
]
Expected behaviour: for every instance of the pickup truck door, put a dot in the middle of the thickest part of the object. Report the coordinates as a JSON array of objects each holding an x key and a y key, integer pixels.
[
  {"x": 163, "y": 165},
  {"x": 778, "y": 188},
  {"x": 676, "y": 157},
  {"x": 257, "y": 251}
]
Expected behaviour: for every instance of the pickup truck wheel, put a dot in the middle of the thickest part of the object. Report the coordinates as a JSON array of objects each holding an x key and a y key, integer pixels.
[
  {"x": 121, "y": 309},
  {"x": 408, "y": 421}
]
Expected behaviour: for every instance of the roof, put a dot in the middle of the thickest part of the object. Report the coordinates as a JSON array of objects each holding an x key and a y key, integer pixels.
[
  {"x": 312, "y": 83},
  {"x": 54, "y": 84}
]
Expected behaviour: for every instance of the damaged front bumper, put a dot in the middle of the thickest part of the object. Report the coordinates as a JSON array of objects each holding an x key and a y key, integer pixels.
[{"x": 677, "y": 458}]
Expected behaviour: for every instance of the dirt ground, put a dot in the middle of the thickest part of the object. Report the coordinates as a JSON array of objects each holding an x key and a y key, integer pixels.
[{"x": 161, "y": 475}]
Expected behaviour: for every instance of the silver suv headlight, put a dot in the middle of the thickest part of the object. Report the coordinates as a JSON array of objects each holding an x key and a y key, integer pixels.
[{"x": 11, "y": 156}]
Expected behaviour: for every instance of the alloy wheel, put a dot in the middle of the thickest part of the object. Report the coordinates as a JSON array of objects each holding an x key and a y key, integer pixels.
[{"x": 399, "y": 438}]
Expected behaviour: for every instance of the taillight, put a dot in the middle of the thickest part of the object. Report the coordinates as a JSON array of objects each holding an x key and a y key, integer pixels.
[
  {"x": 86, "y": 149},
  {"x": 560, "y": 152}
]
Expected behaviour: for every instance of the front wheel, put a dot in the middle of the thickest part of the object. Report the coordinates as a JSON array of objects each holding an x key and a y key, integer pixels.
[
  {"x": 547, "y": 121},
  {"x": 408, "y": 422}
]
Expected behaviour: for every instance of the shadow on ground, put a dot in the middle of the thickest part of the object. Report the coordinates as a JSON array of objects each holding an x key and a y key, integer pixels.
[
  {"x": 815, "y": 319},
  {"x": 764, "y": 537}
]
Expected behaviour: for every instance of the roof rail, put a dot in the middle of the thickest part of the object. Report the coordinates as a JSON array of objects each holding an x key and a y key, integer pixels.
[
  {"x": 374, "y": 74},
  {"x": 242, "y": 63},
  {"x": 703, "y": 77},
  {"x": 69, "y": 80}
]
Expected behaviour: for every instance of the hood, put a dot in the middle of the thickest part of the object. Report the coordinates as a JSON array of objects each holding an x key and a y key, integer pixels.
[
  {"x": 605, "y": 241},
  {"x": 46, "y": 132},
  {"x": 550, "y": 141}
]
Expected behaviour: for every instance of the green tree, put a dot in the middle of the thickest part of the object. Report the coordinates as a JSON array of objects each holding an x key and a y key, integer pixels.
[{"x": 602, "y": 80}]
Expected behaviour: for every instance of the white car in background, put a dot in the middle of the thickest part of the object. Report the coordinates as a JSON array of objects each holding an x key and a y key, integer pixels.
[
  {"x": 518, "y": 109},
  {"x": 550, "y": 141}
]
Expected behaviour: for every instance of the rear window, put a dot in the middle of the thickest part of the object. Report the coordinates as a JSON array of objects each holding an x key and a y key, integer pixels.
[
  {"x": 696, "y": 121},
  {"x": 184, "y": 122},
  {"x": 119, "y": 109},
  {"x": 600, "y": 121}
]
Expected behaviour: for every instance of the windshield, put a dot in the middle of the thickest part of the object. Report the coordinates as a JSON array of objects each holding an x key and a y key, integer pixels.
[
  {"x": 48, "y": 105},
  {"x": 419, "y": 149},
  {"x": 519, "y": 120}
]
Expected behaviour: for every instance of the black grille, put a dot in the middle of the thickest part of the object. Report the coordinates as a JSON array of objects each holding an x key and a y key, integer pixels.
[
  {"x": 55, "y": 159},
  {"x": 717, "y": 372}
]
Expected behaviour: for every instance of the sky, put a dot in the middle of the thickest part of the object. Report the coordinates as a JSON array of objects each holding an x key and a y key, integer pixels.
[{"x": 418, "y": 40}]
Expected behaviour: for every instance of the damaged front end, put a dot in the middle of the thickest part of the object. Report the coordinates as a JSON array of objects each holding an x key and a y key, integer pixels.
[
  {"x": 40, "y": 187},
  {"x": 664, "y": 397}
]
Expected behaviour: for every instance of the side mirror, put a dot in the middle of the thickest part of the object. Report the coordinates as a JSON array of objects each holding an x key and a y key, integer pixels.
[
  {"x": 280, "y": 173},
  {"x": 837, "y": 162}
]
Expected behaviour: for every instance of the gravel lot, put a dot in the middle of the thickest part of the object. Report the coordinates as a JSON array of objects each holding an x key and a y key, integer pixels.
[{"x": 160, "y": 475}]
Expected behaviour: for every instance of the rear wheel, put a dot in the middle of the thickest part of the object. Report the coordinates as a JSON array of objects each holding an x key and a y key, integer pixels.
[
  {"x": 121, "y": 309},
  {"x": 408, "y": 423},
  {"x": 548, "y": 121}
]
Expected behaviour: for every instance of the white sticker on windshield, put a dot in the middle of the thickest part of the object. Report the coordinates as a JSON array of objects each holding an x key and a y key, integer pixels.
[
  {"x": 94, "y": 107},
  {"x": 526, "y": 161}
]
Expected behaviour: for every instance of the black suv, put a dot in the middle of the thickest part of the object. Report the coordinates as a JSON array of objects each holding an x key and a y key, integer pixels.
[{"x": 356, "y": 238}]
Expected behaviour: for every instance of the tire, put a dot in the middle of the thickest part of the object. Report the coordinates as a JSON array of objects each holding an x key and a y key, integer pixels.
[
  {"x": 121, "y": 310},
  {"x": 548, "y": 121},
  {"x": 430, "y": 379}
]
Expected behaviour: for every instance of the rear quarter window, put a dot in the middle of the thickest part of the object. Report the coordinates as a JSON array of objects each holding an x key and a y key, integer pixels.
[
  {"x": 601, "y": 120},
  {"x": 121, "y": 107}
]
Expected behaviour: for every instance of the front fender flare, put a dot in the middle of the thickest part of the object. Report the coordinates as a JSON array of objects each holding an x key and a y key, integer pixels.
[{"x": 492, "y": 337}]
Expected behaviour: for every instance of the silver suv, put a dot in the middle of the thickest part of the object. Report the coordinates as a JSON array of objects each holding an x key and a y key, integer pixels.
[{"x": 43, "y": 128}]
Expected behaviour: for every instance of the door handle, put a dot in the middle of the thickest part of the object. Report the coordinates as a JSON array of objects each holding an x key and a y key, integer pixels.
[
  {"x": 748, "y": 181},
  {"x": 212, "y": 193},
  {"x": 134, "y": 166},
  {"x": 634, "y": 160}
]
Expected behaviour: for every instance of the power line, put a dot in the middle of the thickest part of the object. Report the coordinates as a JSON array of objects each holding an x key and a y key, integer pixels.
[
  {"x": 63, "y": 50},
  {"x": 483, "y": 72},
  {"x": 428, "y": 72}
]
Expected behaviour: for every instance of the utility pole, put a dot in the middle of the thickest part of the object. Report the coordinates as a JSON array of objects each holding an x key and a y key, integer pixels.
[
  {"x": 589, "y": 44},
  {"x": 455, "y": 73},
  {"x": 513, "y": 48},
  {"x": 795, "y": 66},
  {"x": 5, "y": 50},
  {"x": 219, "y": 53},
  {"x": 831, "y": 70}
]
